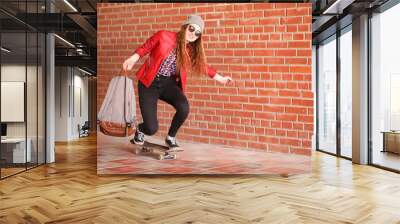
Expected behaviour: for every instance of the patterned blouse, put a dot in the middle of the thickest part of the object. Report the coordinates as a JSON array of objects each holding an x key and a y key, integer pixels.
[{"x": 168, "y": 67}]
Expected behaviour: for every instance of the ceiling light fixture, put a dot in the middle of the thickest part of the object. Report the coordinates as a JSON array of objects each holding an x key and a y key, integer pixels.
[
  {"x": 70, "y": 5},
  {"x": 86, "y": 72},
  {"x": 65, "y": 41},
  {"x": 5, "y": 50},
  {"x": 337, "y": 7}
]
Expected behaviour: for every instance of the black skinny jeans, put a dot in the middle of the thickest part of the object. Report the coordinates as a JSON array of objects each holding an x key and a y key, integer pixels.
[{"x": 167, "y": 90}]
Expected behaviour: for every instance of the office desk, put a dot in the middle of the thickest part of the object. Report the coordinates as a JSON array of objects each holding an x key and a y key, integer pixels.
[
  {"x": 13, "y": 150},
  {"x": 391, "y": 141}
]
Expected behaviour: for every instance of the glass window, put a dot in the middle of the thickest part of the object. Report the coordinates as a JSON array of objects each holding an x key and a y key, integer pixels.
[
  {"x": 327, "y": 96},
  {"x": 346, "y": 93},
  {"x": 31, "y": 96},
  {"x": 13, "y": 86},
  {"x": 385, "y": 89},
  {"x": 41, "y": 98},
  {"x": 31, "y": 87},
  {"x": 22, "y": 91}
]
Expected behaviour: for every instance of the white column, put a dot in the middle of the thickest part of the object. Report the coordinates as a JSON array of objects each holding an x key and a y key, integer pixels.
[
  {"x": 360, "y": 90},
  {"x": 50, "y": 92},
  {"x": 50, "y": 99}
]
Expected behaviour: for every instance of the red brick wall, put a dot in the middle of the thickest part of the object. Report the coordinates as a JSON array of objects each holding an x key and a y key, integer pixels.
[{"x": 265, "y": 47}]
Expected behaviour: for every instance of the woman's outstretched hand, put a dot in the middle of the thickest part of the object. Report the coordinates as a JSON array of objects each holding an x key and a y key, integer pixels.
[
  {"x": 223, "y": 79},
  {"x": 130, "y": 62},
  {"x": 226, "y": 80}
]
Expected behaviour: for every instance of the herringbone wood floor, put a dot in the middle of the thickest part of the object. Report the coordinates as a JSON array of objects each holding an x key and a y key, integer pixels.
[{"x": 69, "y": 191}]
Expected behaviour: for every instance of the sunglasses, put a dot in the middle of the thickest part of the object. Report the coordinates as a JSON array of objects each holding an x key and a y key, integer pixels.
[{"x": 193, "y": 29}]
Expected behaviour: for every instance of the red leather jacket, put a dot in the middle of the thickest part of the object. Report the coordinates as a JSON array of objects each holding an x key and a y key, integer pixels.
[{"x": 160, "y": 45}]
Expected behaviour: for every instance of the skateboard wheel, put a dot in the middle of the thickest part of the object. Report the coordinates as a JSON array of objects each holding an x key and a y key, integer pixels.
[
  {"x": 160, "y": 157},
  {"x": 136, "y": 151},
  {"x": 169, "y": 156}
]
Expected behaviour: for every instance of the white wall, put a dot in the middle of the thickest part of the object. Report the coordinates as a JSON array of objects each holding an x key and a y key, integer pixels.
[
  {"x": 80, "y": 83},
  {"x": 12, "y": 73},
  {"x": 68, "y": 83},
  {"x": 61, "y": 103},
  {"x": 33, "y": 127}
]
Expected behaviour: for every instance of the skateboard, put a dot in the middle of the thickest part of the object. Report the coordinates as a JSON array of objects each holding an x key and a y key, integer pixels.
[{"x": 162, "y": 152}]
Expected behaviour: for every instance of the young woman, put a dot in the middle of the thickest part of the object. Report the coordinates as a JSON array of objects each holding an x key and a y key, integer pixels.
[{"x": 163, "y": 75}]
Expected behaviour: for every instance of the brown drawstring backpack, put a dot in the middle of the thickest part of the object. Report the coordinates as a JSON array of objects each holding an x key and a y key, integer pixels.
[{"x": 117, "y": 113}]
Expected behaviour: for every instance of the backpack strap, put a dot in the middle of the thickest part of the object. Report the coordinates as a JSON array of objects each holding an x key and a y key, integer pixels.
[
  {"x": 124, "y": 73},
  {"x": 127, "y": 124}
]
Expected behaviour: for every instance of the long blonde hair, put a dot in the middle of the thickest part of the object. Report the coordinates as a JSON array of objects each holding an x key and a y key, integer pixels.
[{"x": 190, "y": 56}]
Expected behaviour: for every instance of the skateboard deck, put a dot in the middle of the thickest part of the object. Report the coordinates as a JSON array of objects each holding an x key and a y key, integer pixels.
[{"x": 160, "y": 151}]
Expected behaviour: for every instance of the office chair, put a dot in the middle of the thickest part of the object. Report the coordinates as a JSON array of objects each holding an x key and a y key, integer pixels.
[{"x": 84, "y": 130}]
